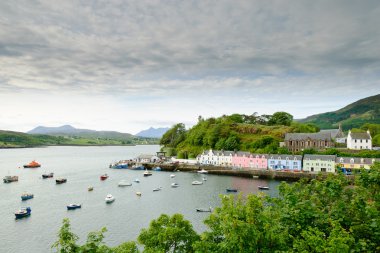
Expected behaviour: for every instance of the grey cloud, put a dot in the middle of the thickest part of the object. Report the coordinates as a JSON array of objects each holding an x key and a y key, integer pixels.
[{"x": 111, "y": 46}]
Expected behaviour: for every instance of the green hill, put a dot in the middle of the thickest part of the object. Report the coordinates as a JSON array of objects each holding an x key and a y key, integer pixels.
[
  {"x": 10, "y": 139},
  {"x": 253, "y": 133},
  {"x": 354, "y": 115}
]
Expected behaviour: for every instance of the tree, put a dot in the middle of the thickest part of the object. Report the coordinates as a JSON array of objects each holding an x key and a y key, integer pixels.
[
  {"x": 66, "y": 242},
  {"x": 168, "y": 234},
  {"x": 281, "y": 118},
  {"x": 126, "y": 247},
  {"x": 174, "y": 135},
  {"x": 94, "y": 243}
]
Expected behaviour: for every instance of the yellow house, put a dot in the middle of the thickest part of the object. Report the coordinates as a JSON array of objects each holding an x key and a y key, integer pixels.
[{"x": 351, "y": 163}]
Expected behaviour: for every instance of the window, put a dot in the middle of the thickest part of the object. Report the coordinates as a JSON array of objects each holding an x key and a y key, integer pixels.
[{"x": 341, "y": 160}]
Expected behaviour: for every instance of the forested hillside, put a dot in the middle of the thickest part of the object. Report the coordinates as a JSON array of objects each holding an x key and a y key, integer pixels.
[
  {"x": 366, "y": 110},
  {"x": 252, "y": 133}
]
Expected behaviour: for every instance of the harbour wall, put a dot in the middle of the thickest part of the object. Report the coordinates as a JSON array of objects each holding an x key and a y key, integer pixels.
[{"x": 249, "y": 173}]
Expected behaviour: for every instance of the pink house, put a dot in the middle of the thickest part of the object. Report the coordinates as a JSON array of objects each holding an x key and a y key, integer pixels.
[
  {"x": 241, "y": 159},
  {"x": 258, "y": 161},
  {"x": 249, "y": 161}
]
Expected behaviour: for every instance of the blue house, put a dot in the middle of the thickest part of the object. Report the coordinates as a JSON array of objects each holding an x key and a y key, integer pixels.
[{"x": 285, "y": 162}]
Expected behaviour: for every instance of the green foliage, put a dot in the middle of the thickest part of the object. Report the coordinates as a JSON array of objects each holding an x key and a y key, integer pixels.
[
  {"x": 233, "y": 132},
  {"x": 364, "y": 111},
  {"x": 168, "y": 234},
  {"x": 174, "y": 135},
  {"x": 376, "y": 140},
  {"x": 281, "y": 118},
  {"x": 126, "y": 247},
  {"x": 66, "y": 242},
  {"x": 94, "y": 243},
  {"x": 322, "y": 215},
  {"x": 304, "y": 128}
]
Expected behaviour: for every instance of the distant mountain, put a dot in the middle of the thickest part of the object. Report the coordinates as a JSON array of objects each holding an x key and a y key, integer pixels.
[
  {"x": 70, "y": 131},
  {"x": 366, "y": 110},
  {"x": 153, "y": 132}
]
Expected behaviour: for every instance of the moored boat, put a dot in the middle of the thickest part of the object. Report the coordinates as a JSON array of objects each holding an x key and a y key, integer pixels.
[
  {"x": 137, "y": 167},
  {"x": 138, "y": 194},
  {"x": 103, "y": 177},
  {"x": 124, "y": 183},
  {"x": 204, "y": 209},
  {"x": 204, "y": 178},
  {"x": 32, "y": 164},
  {"x": 60, "y": 180},
  {"x": 119, "y": 165},
  {"x": 202, "y": 171},
  {"x": 156, "y": 169},
  {"x": 50, "y": 175},
  {"x": 73, "y": 206},
  {"x": 109, "y": 199},
  {"x": 90, "y": 188},
  {"x": 26, "y": 196},
  {"x": 197, "y": 183},
  {"x": 263, "y": 187},
  {"x": 172, "y": 175},
  {"x": 174, "y": 185},
  {"x": 23, "y": 212},
  {"x": 136, "y": 180},
  {"x": 157, "y": 189},
  {"x": 147, "y": 173},
  {"x": 9, "y": 179},
  {"x": 231, "y": 190}
]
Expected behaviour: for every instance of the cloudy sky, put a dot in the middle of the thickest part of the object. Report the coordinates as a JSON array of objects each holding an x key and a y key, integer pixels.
[{"x": 128, "y": 65}]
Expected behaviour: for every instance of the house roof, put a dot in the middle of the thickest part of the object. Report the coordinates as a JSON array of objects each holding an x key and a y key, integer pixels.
[
  {"x": 320, "y": 157},
  {"x": 335, "y": 133},
  {"x": 283, "y": 157},
  {"x": 305, "y": 136},
  {"x": 363, "y": 136},
  {"x": 356, "y": 160}
]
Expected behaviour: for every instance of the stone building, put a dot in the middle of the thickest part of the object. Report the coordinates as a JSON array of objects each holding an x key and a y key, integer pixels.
[{"x": 296, "y": 142}]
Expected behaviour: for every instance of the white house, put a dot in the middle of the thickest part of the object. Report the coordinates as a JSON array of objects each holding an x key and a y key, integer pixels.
[
  {"x": 359, "y": 140},
  {"x": 145, "y": 158},
  {"x": 215, "y": 157}
]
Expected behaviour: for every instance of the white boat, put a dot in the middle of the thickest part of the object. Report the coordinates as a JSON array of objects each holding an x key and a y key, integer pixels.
[
  {"x": 202, "y": 171},
  {"x": 263, "y": 187},
  {"x": 157, "y": 189},
  {"x": 124, "y": 183},
  {"x": 110, "y": 198},
  {"x": 197, "y": 183},
  {"x": 147, "y": 173},
  {"x": 204, "y": 179},
  {"x": 138, "y": 194},
  {"x": 172, "y": 175},
  {"x": 174, "y": 185},
  {"x": 136, "y": 180}
]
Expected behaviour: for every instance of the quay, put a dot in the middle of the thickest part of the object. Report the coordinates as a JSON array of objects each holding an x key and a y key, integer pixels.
[{"x": 241, "y": 172}]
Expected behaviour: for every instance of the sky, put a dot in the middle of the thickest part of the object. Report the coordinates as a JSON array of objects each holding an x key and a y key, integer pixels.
[{"x": 130, "y": 65}]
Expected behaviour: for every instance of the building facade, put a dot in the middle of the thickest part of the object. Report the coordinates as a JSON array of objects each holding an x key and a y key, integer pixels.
[
  {"x": 285, "y": 162},
  {"x": 359, "y": 140},
  {"x": 348, "y": 164},
  {"x": 296, "y": 142},
  {"x": 319, "y": 163}
]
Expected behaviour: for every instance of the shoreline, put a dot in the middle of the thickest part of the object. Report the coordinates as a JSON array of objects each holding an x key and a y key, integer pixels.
[{"x": 247, "y": 173}]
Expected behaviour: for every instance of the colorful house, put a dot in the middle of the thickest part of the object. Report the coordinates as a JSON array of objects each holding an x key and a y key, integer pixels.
[
  {"x": 258, "y": 161},
  {"x": 249, "y": 161},
  {"x": 285, "y": 162},
  {"x": 241, "y": 159},
  {"x": 347, "y": 164},
  {"x": 216, "y": 157},
  {"x": 319, "y": 163}
]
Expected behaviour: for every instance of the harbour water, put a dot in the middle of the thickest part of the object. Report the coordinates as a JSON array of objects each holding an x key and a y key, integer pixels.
[{"x": 82, "y": 166}]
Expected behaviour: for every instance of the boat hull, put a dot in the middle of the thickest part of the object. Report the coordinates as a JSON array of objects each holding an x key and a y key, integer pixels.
[
  {"x": 231, "y": 190},
  {"x": 73, "y": 207},
  {"x": 23, "y": 213},
  {"x": 60, "y": 181}
]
